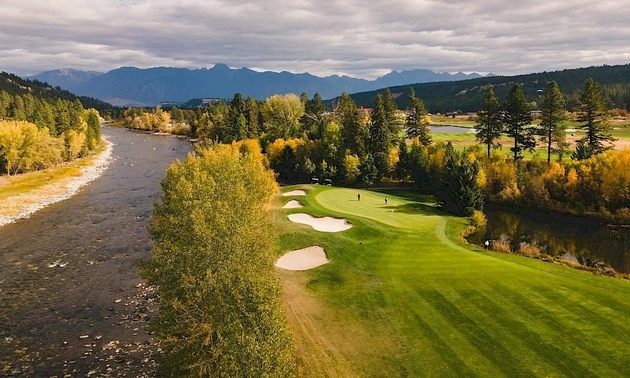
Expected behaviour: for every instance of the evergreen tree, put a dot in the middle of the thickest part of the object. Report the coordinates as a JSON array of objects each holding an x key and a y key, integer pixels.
[
  {"x": 403, "y": 165},
  {"x": 236, "y": 126},
  {"x": 17, "y": 111},
  {"x": 251, "y": 113},
  {"x": 459, "y": 192},
  {"x": 313, "y": 121},
  {"x": 416, "y": 126},
  {"x": 489, "y": 120},
  {"x": 419, "y": 166},
  {"x": 518, "y": 122},
  {"x": 379, "y": 132},
  {"x": 592, "y": 112},
  {"x": 445, "y": 193},
  {"x": 553, "y": 110},
  {"x": 390, "y": 109},
  {"x": 469, "y": 196},
  {"x": 368, "y": 171},
  {"x": 379, "y": 138},
  {"x": 217, "y": 121},
  {"x": 353, "y": 130}
]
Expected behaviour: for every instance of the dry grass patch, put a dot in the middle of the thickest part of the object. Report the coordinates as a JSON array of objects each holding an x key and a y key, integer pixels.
[
  {"x": 529, "y": 250},
  {"x": 501, "y": 246}
]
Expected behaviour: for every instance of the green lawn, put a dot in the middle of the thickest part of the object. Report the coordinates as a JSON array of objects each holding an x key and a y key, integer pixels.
[{"x": 402, "y": 296}]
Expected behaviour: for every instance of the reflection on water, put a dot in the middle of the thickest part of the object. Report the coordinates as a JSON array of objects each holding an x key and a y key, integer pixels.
[
  {"x": 585, "y": 240},
  {"x": 451, "y": 129}
]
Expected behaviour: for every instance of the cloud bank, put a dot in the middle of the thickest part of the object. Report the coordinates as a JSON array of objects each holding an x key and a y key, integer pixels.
[{"x": 323, "y": 37}]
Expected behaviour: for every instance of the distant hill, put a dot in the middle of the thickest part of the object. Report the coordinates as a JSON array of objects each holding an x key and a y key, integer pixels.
[
  {"x": 134, "y": 86},
  {"x": 66, "y": 78},
  {"x": 467, "y": 95},
  {"x": 15, "y": 85}
]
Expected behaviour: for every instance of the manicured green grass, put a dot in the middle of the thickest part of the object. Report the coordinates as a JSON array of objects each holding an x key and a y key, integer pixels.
[{"x": 402, "y": 296}]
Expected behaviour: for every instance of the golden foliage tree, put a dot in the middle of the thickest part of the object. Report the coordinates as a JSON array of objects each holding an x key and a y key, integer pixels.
[{"x": 213, "y": 265}]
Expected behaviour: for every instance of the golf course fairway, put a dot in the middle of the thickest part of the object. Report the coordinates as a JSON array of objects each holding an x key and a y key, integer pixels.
[{"x": 402, "y": 296}]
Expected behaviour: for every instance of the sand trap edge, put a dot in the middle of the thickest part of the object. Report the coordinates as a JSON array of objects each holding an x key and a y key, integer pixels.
[
  {"x": 303, "y": 259},
  {"x": 293, "y": 204},
  {"x": 297, "y": 192},
  {"x": 324, "y": 224}
]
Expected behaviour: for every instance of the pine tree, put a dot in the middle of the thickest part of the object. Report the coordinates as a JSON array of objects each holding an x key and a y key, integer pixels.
[
  {"x": 415, "y": 125},
  {"x": 353, "y": 130},
  {"x": 389, "y": 105},
  {"x": 458, "y": 191},
  {"x": 489, "y": 123},
  {"x": 553, "y": 111},
  {"x": 517, "y": 120},
  {"x": 251, "y": 113},
  {"x": 592, "y": 112},
  {"x": 236, "y": 125},
  {"x": 313, "y": 121},
  {"x": 379, "y": 132}
]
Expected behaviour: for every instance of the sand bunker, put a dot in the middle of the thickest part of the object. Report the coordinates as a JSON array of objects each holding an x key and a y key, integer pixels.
[
  {"x": 298, "y": 192},
  {"x": 325, "y": 224},
  {"x": 293, "y": 204},
  {"x": 303, "y": 259}
]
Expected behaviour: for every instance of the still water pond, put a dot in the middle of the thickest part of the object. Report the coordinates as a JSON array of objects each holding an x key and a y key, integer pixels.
[
  {"x": 584, "y": 240},
  {"x": 451, "y": 129}
]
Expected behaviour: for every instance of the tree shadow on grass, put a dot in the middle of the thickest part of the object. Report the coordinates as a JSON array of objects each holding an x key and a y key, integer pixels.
[
  {"x": 416, "y": 208},
  {"x": 407, "y": 194}
]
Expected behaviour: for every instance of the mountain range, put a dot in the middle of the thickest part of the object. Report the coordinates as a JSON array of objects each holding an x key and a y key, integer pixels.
[{"x": 131, "y": 86}]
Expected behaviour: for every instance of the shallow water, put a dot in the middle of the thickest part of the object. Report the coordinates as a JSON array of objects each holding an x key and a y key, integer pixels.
[
  {"x": 71, "y": 299},
  {"x": 590, "y": 242}
]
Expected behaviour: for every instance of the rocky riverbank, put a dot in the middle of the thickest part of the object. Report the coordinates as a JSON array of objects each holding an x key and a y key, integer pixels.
[{"x": 23, "y": 205}]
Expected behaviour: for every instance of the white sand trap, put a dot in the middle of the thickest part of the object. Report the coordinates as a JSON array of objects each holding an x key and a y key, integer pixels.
[
  {"x": 298, "y": 192},
  {"x": 303, "y": 259},
  {"x": 325, "y": 224},
  {"x": 293, "y": 204}
]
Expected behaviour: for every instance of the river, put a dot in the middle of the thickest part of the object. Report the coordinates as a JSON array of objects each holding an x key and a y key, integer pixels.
[{"x": 71, "y": 300}]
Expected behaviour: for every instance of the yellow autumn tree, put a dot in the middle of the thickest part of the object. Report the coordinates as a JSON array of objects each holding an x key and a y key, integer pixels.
[{"x": 212, "y": 262}]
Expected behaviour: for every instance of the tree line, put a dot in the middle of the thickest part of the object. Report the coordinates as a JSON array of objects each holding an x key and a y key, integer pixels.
[
  {"x": 303, "y": 138},
  {"x": 36, "y": 133},
  {"x": 466, "y": 95}
]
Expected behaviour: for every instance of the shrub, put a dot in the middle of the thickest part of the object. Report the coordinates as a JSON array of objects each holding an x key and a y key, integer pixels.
[{"x": 501, "y": 246}]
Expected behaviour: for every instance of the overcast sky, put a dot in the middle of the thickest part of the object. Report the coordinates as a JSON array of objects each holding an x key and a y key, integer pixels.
[{"x": 364, "y": 39}]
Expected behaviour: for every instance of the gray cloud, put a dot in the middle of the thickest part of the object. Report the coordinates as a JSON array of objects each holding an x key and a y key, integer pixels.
[{"x": 322, "y": 37}]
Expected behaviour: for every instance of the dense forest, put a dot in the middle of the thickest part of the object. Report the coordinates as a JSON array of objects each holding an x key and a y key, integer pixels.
[
  {"x": 465, "y": 96},
  {"x": 15, "y": 85},
  {"x": 302, "y": 139},
  {"x": 41, "y": 126}
]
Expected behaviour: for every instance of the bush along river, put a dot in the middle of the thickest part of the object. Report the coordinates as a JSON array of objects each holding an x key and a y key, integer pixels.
[
  {"x": 583, "y": 242},
  {"x": 71, "y": 300}
]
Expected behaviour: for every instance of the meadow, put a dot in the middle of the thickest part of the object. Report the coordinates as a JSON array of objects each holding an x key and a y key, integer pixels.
[{"x": 404, "y": 296}]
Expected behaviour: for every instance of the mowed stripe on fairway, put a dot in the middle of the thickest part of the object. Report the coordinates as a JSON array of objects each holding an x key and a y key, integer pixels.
[{"x": 445, "y": 309}]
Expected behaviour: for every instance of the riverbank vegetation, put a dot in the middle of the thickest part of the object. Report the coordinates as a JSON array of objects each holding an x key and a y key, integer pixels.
[
  {"x": 39, "y": 132},
  {"x": 212, "y": 264}
]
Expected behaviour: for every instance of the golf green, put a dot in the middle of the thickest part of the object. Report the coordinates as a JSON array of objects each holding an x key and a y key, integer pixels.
[{"x": 403, "y": 296}]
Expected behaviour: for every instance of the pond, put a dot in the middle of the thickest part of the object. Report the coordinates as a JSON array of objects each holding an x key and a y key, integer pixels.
[
  {"x": 587, "y": 241},
  {"x": 447, "y": 129}
]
